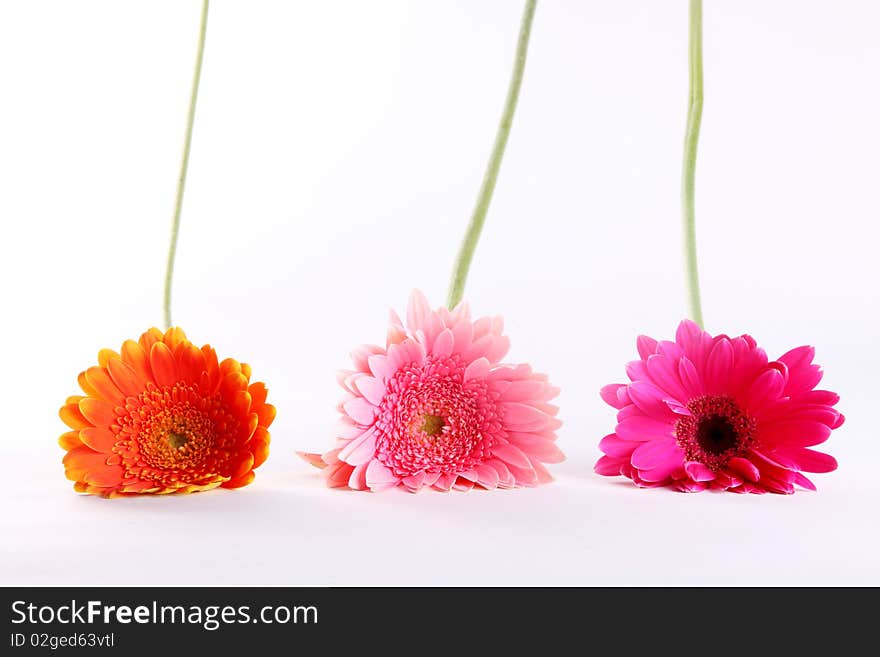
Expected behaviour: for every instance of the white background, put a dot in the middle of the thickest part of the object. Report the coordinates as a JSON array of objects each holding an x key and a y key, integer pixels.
[{"x": 337, "y": 153}]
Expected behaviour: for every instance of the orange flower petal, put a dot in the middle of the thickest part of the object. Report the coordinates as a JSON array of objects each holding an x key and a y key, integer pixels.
[
  {"x": 149, "y": 338},
  {"x": 190, "y": 363},
  {"x": 259, "y": 446},
  {"x": 246, "y": 370},
  {"x": 80, "y": 460},
  {"x": 267, "y": 414},
  {"x": 98, "y": 412},
  {"x": 258, "y": 393},
  {"x": 125, "y": 377},
  {"x": 135, "y": 357},
  {"x": 73, "y": 417},
  {"x": 105, "y": 355},
  {"x": 241, "y": 403},
  {"x": 70, "y": 440},
  {"x": 212, "y": 367},
  {"x": 248, "y": 428},
  {"x": 163, "y": 365},
  {"x": 174, "y": 336},
  {"x": 240, "y": 481},
  {"x": 244, "y": 466},
  {"x": 98, "y": 438},
  {"x": 230, "y": 365},
  {"x": 85, "y": 385},
  {"x": 103, "y": 385},
  {"x": 232, "y": 383},
  {"x": 107, "y": 476}
]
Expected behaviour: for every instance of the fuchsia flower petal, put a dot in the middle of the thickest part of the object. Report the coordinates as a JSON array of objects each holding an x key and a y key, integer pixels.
[
  {"x": 708, "y": 412},
  {"x": 436, "y": 408}
]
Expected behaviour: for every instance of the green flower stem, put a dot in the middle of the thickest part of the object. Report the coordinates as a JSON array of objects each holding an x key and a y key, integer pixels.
[
  {"x": 691, "y": 137},
  {"x": 472, "y": 236},
  {"x": 184, "y": 164}
]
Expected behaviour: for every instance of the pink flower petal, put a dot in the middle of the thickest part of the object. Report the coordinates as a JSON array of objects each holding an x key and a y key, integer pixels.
[
  {"x": 767, "y": 387},
  {"x": 417, "y": 310},
  {"x": 444, "y": 344},
  {"x": 312, "y": 459},
  {"x": 444, "y": 481},
  {"x": 607, "y": 466},
  {"x": 378, "y": 366},
  {"x": 524, "y": 476},
  {"x": 487, "y": 476},
  {"x": 371, "y": 388},
  {"x": 656, "y": 453},
  {"x": 523, "y": 417},
  {"x": 544, "y": 476},
  {"x": 523, "y": 391},
  {"x": 479, "y": 348},
  {"x": 478, "y": 369},
  {"x": 511, "y": 455},
  {"x": 361, "y": 449},
  {"x": 338, "y": 474},
  {"x": 803, "y": 482},
  {"x": 463, "y": 485},
  {"x": 803, "y": 375},
  {"x": 537, "y": 447},
  {"x": 610, "y": 394},
  {"x": 744, "y": 468},
  {"x": 795, "y": 433},
  {"x": 698, "y": 472},
  {"x": 641, "y": 428},
  {"x": 646, "y": 346},
  {"x": 498, "y": 349},
  {"x": 360, "y": 356},
  {"x": 414, "y": 482},
  {"x": 663, "y": 372},
  {"x": 687, "y": 333},
  {"x": 617, "y": 448},
  {"x": 379, "y": 477},
  {"x": 462, "y": 333},
  {"x": 360, "y": 410},
  {"x": 649, "y": 399},
  {"x": 810, "y": 460},
  {"x": 690, "y": 377},
  {"x": 358, "y": 478},
  {"x": 718, "y": 366}
]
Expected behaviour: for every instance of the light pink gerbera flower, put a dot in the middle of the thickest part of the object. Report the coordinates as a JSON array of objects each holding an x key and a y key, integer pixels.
[
  {"x": 712, "y": 412},
  {"x": 436, "y": 407}
]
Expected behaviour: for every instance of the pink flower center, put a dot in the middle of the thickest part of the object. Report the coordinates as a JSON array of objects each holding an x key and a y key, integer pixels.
[
  {"x": 716, "y": 431},
  {"x": 432, "y": 420}
]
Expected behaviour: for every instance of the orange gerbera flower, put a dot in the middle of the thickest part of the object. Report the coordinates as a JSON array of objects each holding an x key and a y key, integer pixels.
[{"x": 165, "y": 417}]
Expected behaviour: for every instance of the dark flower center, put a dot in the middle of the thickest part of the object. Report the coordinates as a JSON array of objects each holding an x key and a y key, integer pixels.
[
  {"x": 716, "y": 430},
  {"x": 432, "y": 424},
  {"x": 716, "y": 434},
  {"x": 177, "y": 440}
]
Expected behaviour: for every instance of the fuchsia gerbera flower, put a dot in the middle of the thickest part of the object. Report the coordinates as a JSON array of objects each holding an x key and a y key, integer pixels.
[
  {"x": 436, "y": 407},
  {"x": 712, "y": 412}
]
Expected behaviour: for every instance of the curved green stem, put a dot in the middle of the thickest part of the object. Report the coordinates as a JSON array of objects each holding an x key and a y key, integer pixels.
[
  {"x": 472, "y": 236},
  {"x": 691, "y": 137},
  {"x": 184, "y": 164}
]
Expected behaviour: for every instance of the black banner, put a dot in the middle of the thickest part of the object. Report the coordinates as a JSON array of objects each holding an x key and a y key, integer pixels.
[{"x": 260, "y": 620}]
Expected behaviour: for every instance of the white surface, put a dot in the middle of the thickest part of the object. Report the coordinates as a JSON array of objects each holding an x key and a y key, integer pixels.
[{"x": 337, "y": 153}]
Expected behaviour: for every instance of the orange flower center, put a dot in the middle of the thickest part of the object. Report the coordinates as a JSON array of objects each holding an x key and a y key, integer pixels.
[{"x": 176, "y": 435}]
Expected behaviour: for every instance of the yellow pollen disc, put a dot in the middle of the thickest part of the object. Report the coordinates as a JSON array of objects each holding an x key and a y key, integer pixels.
[{"x": 432, "y": 425}]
